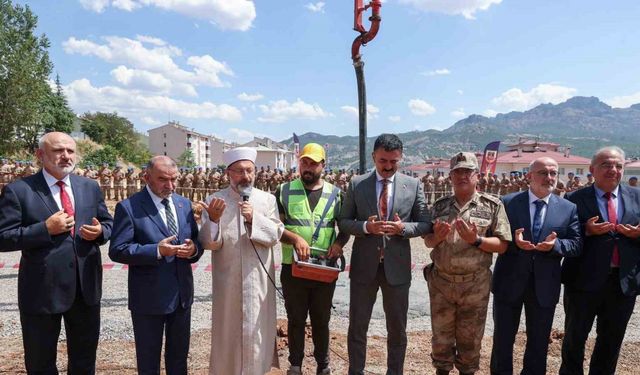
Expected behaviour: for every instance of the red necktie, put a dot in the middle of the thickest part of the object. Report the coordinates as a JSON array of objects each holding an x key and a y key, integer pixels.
[
  {"x": 613, "y": 219},
  {"x": 383, "y": 202},
  {"x": 66, "y": 201},
  {"x": 382, "y": 207}
]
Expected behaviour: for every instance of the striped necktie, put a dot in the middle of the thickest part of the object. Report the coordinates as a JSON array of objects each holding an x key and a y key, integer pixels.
[{"x": 171, "y": 225}]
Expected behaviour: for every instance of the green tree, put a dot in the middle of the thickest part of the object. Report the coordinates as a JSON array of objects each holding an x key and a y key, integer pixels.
[
  {"x": 117, "y": 132},
  {"x": 24, "y": 71},
  {"x": 107, "y": 154},
  {"x": 186, "y": 159},
  {"x": 59, "y": 115}
]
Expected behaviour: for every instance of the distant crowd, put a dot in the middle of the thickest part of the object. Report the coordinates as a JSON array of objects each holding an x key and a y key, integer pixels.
[{"x": 196, "y": 183}]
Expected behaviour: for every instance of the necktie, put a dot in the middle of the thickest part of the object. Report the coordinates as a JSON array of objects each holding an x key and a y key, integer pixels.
[
  {"x": 383, "y": 201},
  {"x": 66, "y": 202},
  {"x": 613, "y": 219},
  {"x": 383, "y": 209},
  {"x": 171, "y": 225},
  {"x": 537, "y": 221}
]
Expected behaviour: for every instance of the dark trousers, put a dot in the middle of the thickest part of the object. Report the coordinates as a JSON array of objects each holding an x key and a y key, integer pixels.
[
  {"x": 40, "y": 334},
  {"x": 304, "y": 297},
  {"x": 395, "y": 301},
  {"x": 613, "y": 310},
  {"x": 506, "y": 318},
  {"x": 148, "y": 331}
]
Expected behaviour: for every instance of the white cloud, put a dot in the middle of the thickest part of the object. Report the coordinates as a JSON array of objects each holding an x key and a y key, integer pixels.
[
  {"x": 517, "y": 100},
  {"x": 465, "y": 8},
  {"x": 281, "y": 111},
  {"x": 95, "y": 5},
  {"x": 250, "y": 97},
  {"x": 458, "y": 113},
  {"x": 155, "y": 56},
  {"x": 151, "y": 40},
  {"x": 460, "y": 92},
  {"x": 437, "y": 72},
  {"x": 372, "y": 111},
  {"x": 226, "y": 14},
  {"x": 490, "y": 113},
  {"x": 83, "y": 97},
  {"x": 624, "y": 101},
  {"x": 242, "y": 135},
  {"x": 394, "y": 118},
  {"x": 421, "y": 108},
  {"x": 316, "y": 8},
  {"x": 150, "y": 121}
]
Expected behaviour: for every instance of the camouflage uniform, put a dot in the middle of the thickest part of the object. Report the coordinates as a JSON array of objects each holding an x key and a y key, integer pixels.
[
  {"x": 119, "y": 183},
  {"x": 105, "y": 181},
  {"x": 132, "y": 182},
  {"x": 459, "y": 282}
]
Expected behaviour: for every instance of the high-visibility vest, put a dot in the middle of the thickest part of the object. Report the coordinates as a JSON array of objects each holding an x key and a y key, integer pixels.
[{"x": 300, "y": 220}]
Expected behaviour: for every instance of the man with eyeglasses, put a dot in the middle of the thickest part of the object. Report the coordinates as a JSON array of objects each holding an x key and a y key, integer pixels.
[
  {"x": 602, "y": 283},
  {"x": 468, "y": 227},
  {"x": 545, "y": 229},
  {"x": 241, "y": 226}
]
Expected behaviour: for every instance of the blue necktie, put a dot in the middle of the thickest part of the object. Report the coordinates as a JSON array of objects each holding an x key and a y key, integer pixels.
[
  {"x": 537, "y": 221},
  {"x": 171, "y": 225}
]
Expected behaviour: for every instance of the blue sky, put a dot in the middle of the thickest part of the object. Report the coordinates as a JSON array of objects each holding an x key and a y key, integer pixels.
[{"x": 239, "y": 68}]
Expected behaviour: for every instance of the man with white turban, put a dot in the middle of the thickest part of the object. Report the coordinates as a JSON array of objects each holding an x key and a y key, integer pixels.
[{"x": 241, "y": 226}]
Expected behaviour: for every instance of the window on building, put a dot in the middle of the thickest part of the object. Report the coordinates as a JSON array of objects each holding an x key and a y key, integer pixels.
[
  {"x": 165, "y": 153},
  {"x": 164, "y": 135},
  {"x": 165, "y": 144},
  {"x": 561, "y": 170},
  {"x": 580, "y": 171}
]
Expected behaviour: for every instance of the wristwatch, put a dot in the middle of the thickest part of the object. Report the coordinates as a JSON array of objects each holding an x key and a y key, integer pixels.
[{"x": 478, "y": 241}]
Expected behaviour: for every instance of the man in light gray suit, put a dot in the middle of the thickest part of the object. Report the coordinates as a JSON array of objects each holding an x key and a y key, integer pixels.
[{"x": 382, "y": 209}]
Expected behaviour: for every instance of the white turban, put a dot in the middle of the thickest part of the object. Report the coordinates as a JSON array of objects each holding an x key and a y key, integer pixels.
[{"x": 239, "y": 153}]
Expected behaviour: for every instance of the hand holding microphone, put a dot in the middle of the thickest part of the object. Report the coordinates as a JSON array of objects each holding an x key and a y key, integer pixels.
[{"x": 246, "y": 209}]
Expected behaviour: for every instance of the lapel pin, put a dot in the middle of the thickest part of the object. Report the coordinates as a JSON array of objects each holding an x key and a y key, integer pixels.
[{"x": 179, "y": 205}]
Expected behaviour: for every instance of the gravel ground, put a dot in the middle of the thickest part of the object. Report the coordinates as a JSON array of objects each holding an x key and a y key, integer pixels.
[{"x": 117, "y": 333}]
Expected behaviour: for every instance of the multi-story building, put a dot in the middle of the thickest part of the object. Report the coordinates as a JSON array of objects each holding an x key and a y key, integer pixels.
[
  {"x": 270, "y": 153},
  {"x": 173, "y": 139}
]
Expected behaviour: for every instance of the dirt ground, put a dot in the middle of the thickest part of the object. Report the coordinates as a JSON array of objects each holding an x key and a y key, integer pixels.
[{"x": 118, "y": 357}]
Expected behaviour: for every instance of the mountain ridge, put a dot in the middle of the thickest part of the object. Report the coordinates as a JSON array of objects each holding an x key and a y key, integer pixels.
[{"x": 582, "y": 123}]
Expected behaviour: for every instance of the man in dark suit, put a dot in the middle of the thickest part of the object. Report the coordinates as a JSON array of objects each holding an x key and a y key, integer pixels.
[
  {"x": 156, "y": 235},
  {"x": 58, "y": 220},
  {"x": 545, "y": 229},
  {"x": 603, "y": 281},
  {"x": 383, "y": 209}
]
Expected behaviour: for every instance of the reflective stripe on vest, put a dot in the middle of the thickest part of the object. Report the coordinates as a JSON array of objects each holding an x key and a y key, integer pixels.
[{"x": 300, "y": 220}]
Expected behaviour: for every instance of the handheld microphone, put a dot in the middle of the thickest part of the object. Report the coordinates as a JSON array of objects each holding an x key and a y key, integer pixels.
[{"x": 245, "y": 192}]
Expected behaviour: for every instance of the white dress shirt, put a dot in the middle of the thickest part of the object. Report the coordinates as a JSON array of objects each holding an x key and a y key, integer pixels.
[
  {"x": 55, "y": 189},
  {"x": 390, "y": 191},
  {"x": 532, "y": 208},
  {"x": 163, "y": 212}
]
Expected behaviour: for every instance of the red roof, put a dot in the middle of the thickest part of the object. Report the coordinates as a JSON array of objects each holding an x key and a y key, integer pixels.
[{"x": 633, "y": 164}]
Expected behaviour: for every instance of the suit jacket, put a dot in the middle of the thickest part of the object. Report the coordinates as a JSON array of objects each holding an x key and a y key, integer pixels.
[
  {"x": 590, "y": 271},
  {"x": 47, "y": 276},
  {"x": 515, "y": 266},
  {"x": 360, "y": 203},
  {"x": 156, "y": 286}
]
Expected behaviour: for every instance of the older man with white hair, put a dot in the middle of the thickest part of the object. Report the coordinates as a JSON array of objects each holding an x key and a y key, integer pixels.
[
  {"x": 241, "y": 225},
  {"x": 58, "y": 220},
  {"x": 545, "y": 229},
  {"x": 602, "y": 283}
]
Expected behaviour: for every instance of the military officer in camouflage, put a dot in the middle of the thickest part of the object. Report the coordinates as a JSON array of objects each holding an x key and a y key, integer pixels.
[{"x": 468, "y": 227}]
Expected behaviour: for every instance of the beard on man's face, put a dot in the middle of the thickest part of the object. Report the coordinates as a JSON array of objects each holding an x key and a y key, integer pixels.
[{"x": 309, "y": 177}]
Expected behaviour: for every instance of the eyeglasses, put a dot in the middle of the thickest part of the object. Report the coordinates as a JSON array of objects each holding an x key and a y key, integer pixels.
[
  {"x": 239, "y": 172},
  {"x": 611, "y": 165},
  {"x": 547, "y": 173}
]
